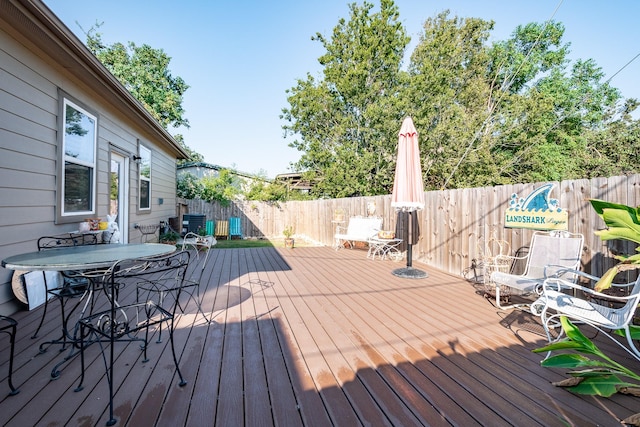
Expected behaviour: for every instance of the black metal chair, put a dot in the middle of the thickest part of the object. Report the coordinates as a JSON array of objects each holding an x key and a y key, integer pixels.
[
  {"x": 73, "y": 285},
  {"x": 9, "y": 327},
  {"x": 124, "y": 322}
]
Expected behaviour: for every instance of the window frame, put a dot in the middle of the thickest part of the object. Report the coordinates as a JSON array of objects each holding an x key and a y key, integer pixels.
[
  {"x": 145, "y": 157},
  {"x": 62, "y": 215}
]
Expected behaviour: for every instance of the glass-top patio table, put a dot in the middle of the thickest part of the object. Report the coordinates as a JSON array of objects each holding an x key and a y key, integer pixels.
[
  {"x": 87, "y": 257},
  {"x": 89, "y": 261}
]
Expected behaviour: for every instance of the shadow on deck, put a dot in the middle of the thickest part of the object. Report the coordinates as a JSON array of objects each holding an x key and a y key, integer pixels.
[{"x": 313, "y": 336}]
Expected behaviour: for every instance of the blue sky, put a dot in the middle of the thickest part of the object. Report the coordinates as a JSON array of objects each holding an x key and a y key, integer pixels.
[{"x": 239, "y": 56}]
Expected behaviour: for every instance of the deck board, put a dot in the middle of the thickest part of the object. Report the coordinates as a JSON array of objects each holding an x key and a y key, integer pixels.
[{"x": 313, "y": 336}]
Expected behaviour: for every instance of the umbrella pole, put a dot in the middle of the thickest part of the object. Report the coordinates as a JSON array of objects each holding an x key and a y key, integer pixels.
[
  {"x": 410, "y": 241},
  {"x": 409, "y": 272}
]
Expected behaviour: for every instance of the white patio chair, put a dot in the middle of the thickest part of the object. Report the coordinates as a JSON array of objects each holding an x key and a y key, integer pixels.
[
  {"x": 201, "y": 246},
  {"x": 604, "y": 312},
  {"x": 551, "y": 254}
]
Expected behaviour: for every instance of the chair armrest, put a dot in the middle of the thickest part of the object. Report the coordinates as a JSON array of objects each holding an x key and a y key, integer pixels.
[
  {"x": 509, "y": 258},
  {"x": 206, "y": 241},
  {"x": 563, "y": 272},
  {"x": 196, "y": 240},
  {"x": 556, "y": 271},
  {"x": 555, "y": 284},
  {"x": 210, "y": 238},
  {"x": 340, "y": 229}
]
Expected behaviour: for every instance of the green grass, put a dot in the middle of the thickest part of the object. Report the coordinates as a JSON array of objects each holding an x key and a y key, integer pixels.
[
  {"x": 260, "y": 243},
  {"x": 244, "y": 243}
]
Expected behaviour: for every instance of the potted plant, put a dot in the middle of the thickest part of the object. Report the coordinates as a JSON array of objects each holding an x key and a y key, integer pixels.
[
  {"x": 288, "y": 239},
  {"x": 170, "y": 237}
]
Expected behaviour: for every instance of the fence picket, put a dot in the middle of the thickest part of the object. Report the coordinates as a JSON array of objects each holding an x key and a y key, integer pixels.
[{"x": 453, "y": 224}]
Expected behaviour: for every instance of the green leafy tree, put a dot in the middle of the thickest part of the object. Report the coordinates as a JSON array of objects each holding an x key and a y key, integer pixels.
[
  {"x": 267, "y": 191},
  {"x": 144, "y": 71},
  {"x": 614, "y": 149},
  {"x": 448, "y": 93},
  {"x": 189, "y": 186},
  {"x": 487, "y": 114},
  {"x": 222, "y": 188},
  {"x": 347, "y": 122},
  {"x": 560, "y": 112}
]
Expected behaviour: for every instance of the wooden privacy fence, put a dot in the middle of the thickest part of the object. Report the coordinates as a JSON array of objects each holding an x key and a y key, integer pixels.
[{"x": 454, "y": 225}]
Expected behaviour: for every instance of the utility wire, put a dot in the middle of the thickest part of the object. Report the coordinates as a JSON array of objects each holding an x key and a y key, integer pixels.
[
  {"x": 564, "y": 116},
  {"x": 505, "y": 87},
  {"x": 623, "y": 67},
  {"x": 553, "y": 126}
]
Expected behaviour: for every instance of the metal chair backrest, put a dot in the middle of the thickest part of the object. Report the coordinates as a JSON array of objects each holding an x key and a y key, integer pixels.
[
  {"x": 557, "y": 248},
  {"x": 165, "y": 271},
  {"x": 202, "y": 246},
  {"x": 123, "y": 319},
  {"x": 66, "y": 240}
]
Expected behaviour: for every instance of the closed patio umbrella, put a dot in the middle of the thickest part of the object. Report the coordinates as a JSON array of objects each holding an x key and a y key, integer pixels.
[{"x": 408, "y": 191}]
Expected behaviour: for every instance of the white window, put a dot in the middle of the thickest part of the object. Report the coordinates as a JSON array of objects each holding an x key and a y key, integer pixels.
[
  {"x": 78, "y": 177},
  {"x": 144, "y": 180}
]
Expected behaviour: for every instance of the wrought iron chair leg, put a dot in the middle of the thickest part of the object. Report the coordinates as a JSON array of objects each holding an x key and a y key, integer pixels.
[
  {"x": 80, "y": 385},
  {"x": 11, "y": 330},
  {"x": 112, "y": 419},
  {"x": 182, "y": 382}
]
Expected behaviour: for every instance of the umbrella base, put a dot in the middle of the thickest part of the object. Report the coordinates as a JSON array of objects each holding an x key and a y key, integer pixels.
[{"x": 410, "y": 273}]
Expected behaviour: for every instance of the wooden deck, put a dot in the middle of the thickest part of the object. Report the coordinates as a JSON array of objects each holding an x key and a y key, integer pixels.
[{"x": 311, "y": 336}]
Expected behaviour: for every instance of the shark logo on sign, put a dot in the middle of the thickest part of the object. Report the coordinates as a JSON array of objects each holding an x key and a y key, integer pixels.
[{"x": 537, "y": 211}]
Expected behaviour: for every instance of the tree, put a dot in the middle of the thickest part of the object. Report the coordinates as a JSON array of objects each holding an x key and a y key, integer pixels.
[
  {"x": 189, "y": 186},
  {"x": 267, "y": 191},
  {"x": 348, "y": 121},
  {"x": 222, "y": 188},
  {"x": 448, "y": 93},
  {"x": 615, "y": 149},
  {"x": 555, "y": 111},
  {"x": 513, "y": 111},
  {"x": 193, "y": 155},
  {"x": 144, "y": 71}
]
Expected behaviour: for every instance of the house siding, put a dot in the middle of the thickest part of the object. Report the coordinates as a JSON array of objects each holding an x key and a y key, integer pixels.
[{"x": 30, "y": 84}]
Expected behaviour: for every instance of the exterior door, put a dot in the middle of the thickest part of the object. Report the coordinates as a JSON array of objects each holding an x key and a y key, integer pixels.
[{"x": 119, "y": 193}]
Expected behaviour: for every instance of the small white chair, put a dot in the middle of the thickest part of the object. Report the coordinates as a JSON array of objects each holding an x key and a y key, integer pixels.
[
  {"x": 494, "y": 255},
  {"x": 551, "y": 254},
  {"x": 202, "y": 246},
  {"x": 583, "y": 306}
]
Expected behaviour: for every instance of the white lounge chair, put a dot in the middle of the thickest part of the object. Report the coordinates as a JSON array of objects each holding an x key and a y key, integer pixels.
[
  {"x": 551, "y": 254},
  {"x": 604, "y": 312}
]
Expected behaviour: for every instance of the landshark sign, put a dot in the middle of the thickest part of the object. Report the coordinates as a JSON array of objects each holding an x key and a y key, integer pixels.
[{"x": 537, "y": 211}]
